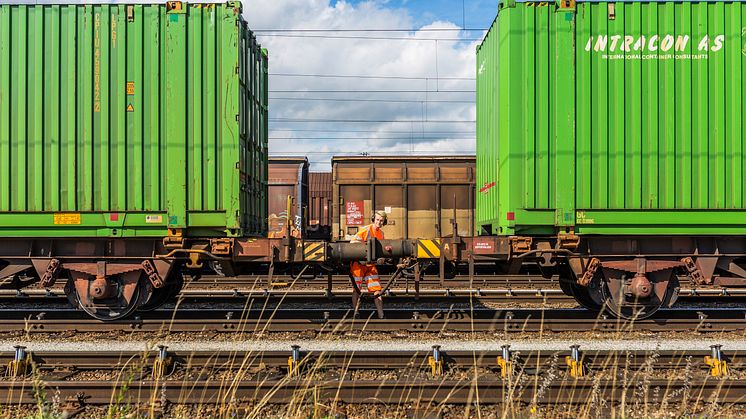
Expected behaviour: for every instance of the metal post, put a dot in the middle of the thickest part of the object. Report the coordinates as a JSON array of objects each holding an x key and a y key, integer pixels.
[
  {"x": 575, "y": 352},
  {"x": 506, "y": 352},
  {"x": 417, "y": 281},
  {"x": 20, "y": 353},
  {"x": 329, "y": 284},
  {"x": 504, "y": 362},
  {"x": 162, "y": 352},
  {"x": 573, "y": 361},
  {"x": 162, "y": 364},
  {"x": 718, "y": 366},
  {"x": 294, "y": 360},
  {"x": 436, "y": 361},
  {"x": 716, "y": 353}
]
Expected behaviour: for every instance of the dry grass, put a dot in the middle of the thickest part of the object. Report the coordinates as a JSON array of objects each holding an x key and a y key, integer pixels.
[{"x": 527, "y": 394}]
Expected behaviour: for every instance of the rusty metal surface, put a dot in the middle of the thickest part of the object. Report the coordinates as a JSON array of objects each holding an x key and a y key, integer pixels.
[
  {"x": 537, "y": 361},
  {"x": 419, "y": 194},
  {"x": 288, "y": 177},
  {"x": 320, "y": 205},
  {"x": 340, "y": 321},
  {"x": 266, "y": 377}
]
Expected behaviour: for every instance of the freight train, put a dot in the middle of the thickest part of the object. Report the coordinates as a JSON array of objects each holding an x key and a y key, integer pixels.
[{"x": 621, "y": 171}]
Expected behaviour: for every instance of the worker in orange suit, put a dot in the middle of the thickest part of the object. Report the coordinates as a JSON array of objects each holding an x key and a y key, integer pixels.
[{"x": 366, "y": 273}]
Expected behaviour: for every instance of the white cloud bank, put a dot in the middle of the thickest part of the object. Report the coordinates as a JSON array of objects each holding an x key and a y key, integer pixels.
[{"x": 317, "y": 55}]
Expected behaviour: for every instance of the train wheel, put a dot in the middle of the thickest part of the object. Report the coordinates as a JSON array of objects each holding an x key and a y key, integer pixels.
[
  {"x": 110, "y": 298},
  {"x": 620, "y": 301},
  {"x": 160, "y": 296},
  {"x": 582, "y": 295}
]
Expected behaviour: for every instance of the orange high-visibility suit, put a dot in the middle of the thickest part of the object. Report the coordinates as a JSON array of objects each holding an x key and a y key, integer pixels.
[{"x": 367, "y": 272}]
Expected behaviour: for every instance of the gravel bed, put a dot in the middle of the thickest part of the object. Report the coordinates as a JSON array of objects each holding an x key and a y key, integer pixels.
[{"x": 374, "y": 343}]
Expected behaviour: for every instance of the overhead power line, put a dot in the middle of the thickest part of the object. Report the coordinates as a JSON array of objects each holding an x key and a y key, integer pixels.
[
  {"x": 382, "y": 153},
  {"x": 373, "y": 38},
  {"x": 415, "y": 137},
  {"x": 335, "y": 131},
  {"x": 330, "y": 99},
  {"x": 317, "y": 30},
  {"x": 372, "y": 91},
  {"x": 409, "y": 121},
  {"x": 362, "y": 76}
]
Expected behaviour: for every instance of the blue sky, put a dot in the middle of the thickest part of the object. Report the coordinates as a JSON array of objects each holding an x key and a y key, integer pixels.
[
  {"x": 478, "y": 13},
  {"x": 380, "y": 93}
]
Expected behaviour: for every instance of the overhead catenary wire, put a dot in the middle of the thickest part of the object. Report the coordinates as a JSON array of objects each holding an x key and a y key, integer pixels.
[
  {"x": 377, "y": 121},
  {"x": 371, "y": 38},
  {"x": 371, "y": 91},
  {"x": 332, "y": 99},
  {"x": 368, "y": 131},
  {"x": 366, "y": 76},
  {"x": 319, "y": 30}
]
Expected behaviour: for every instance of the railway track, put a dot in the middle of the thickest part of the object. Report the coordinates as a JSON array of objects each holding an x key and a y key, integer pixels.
[
  {"x": 227, "y": 291},
  {"x": 257, "y": 320},
  {"x": 438, "y": 377}
]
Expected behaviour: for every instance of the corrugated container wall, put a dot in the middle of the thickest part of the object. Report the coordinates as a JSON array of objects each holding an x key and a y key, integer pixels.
[
  {"x": 320, "y": 205},
  {"x": 612, "y": 118},
  {"x": 288, "y": 180},
  {"x": 419, "y": 194},
  {"x": 129, "y": 120}
]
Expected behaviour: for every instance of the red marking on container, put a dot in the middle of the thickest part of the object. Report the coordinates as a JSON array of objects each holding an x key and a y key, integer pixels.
[
  {"x": 511, "y": 216},
  {"x": 114, "y": 216},
  {"x": 487, "y": 187}
]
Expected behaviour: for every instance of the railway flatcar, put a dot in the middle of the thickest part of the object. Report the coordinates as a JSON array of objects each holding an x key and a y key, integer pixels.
[{"x": 610, "y": 146}]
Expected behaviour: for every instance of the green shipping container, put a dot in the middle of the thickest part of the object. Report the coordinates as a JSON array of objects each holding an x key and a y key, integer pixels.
[
  {"x": 612, "y": 118},
  {"x": 131, "y": 120}
]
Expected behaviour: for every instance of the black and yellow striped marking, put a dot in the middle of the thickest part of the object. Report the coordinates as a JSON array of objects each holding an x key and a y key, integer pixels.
[
  {"x": 314, "y": 252},
  {"x": 428, "y": 249}
]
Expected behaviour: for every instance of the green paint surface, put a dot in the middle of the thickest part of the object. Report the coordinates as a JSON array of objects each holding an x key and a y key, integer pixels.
[
  {"x": 134, "y": 110},
  {"x": 623, "y": 123}
]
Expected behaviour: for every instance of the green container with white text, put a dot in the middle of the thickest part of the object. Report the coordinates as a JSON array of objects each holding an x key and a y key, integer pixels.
[
  {"x": 618, "y": 118},
  {"x": 127, "y": 120}
]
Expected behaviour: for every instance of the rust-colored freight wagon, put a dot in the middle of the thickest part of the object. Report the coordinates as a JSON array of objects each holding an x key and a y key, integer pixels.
[
  {"x": 419, "y": 195},
  {"x": 320, "y": 205},
  {"x": 288, "y": 189}
]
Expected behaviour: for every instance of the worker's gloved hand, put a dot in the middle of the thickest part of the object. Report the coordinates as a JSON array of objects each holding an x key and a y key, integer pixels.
[{"x": 381, "y": 261}]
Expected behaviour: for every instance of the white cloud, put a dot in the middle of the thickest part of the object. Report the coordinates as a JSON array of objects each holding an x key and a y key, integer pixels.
[{"x": 353, "y": 56}]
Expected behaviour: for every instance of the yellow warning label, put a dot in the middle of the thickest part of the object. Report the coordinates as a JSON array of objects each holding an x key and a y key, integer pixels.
[
  {"x": 428, "y": 249},
  {"x": 130, "y": 108},
  {"x": 130, "y": 88},
  {"x": 67, "y": 218}
]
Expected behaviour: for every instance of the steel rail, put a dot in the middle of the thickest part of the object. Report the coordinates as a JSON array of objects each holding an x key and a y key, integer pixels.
[
  {"x": 314, "y": 377},
  {"x": 490, "y": 294},
  {"x": 445, "y": 391},
  {"x": 54, "y": 363},
  {"x": 476, "y": 319}
]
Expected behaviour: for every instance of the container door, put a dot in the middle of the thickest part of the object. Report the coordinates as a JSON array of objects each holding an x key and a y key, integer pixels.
[
  {"x": 355, "y": 209},
  {"x": 422, "y": 217},
  {"x": 458, "y": 197},
  {"x": 390, "y": 198}
]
